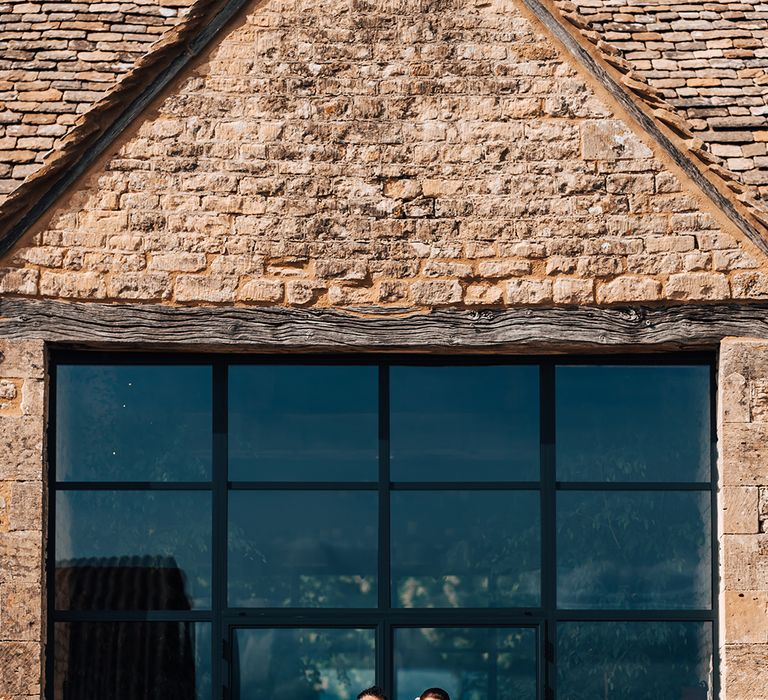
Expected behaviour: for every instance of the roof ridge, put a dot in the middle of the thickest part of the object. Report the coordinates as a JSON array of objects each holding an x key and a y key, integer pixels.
[
  {"x": 647, "y": 96},
  {"x": 97, "y": 128}
]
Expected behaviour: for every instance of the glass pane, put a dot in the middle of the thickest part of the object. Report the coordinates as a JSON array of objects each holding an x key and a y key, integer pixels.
[
  {"x": 132, "y": 660},
  {"x": 464, "y": 423},
  {"x": 637, "y": 550},
  {"x": 303, "y": 423},
  {"x": 633, "y": 424},
  {"x": 133, "y": 423},
  {"x": 303, "y": 548},
  {"x": 303, "y": 664},
  {"x": 637, "y": 660},
  {"x": 471, "y": 664},
  {"x": 133, "y": 550},
  {"x": 454, "y": 549}
]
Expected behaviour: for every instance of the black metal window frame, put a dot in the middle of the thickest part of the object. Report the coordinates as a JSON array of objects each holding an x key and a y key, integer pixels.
[{"x": 384, "y": 619}]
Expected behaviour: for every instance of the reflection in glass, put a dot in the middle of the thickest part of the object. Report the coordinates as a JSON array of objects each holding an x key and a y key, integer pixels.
[
  {"x": 455, "y": 549},
  {"x": 637, "y": 660},
  {"x": 618, "y": 423},
  {"x": 303, "y": 548},
  {"x": 464, "y": 423},
  {"x": 133, "y": 423},
  {"x": 302, "y": 664},
  {"x": 637, "y": 550},
  {"x": 303, "y": 423},
  {"x": 133, "y": 550},
  {"x": 471, "y": 664},
  {"x": 132, "y": 661}
]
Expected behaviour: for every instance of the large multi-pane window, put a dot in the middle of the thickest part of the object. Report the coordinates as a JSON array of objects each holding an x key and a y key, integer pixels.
[{"x": 298, "y": 528}]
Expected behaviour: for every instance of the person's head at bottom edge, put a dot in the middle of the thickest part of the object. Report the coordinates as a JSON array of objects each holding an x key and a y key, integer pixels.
[
  {"x": 434, "y": 694},
  {"x": 372, "y": 693}
]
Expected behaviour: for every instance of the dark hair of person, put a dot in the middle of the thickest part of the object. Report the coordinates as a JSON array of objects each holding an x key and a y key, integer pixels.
[
  {"x": 373, "y": 692},
  {"x": 437, "y": 693}
]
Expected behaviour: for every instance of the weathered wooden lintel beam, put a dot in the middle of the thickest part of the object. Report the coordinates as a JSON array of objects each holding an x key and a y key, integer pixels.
[{"x": 449, "y": 330}]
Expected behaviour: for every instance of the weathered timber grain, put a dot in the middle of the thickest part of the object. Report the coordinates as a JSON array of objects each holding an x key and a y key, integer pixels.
[{"x": 254, "y": 329}]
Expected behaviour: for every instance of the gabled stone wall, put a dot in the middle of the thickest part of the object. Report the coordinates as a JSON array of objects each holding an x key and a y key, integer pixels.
[{"x": 375, "y": 153}]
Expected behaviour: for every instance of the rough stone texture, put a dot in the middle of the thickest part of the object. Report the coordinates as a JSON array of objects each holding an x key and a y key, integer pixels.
[
  {"x": 22, "y": 485},
  {"x": 705, "y": 62},
  {"x": 743, "y": 422},
  {"x": 56, "y": 60},
  {"x": 408, "y": 154}
]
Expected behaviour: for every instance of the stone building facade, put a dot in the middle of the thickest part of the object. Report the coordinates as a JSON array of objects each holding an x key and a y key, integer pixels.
[{"x": 404, "y": 159}]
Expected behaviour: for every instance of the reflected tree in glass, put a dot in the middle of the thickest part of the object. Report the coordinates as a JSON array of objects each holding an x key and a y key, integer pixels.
[
  {"x": 302, "y": 664},
  {"x": 303, "y": 549},
  {"x": 634, "y": 660},
  {"x": 454, "y": 549},
  {"x": 636, "y": 550},
  {"x": 470, "y": 663}
]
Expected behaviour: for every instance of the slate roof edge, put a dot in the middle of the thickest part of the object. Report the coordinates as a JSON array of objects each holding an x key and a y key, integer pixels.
[
  {"x": 98, "y": 128},
  {"x": 736, "y": 200}
]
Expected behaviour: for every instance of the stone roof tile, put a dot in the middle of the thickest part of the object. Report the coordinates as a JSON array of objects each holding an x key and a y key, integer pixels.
[{"x": 57, "y": 59}]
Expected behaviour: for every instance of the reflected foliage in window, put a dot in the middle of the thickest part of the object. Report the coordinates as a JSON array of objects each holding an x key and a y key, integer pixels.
[
  {"x": 133, "y": 423},
  {"x": 637, "y": 660},
  {"x": 464, "y": 423},
  {"x": 303, "y": 664},
  {"x": 453, "y": 549},
  {"x": 303, "y": 423},
  {"x": 132, "y": 661},
  {"x": 619, "y": 423},
  {"x": 634, "y": 550},
  {"x": 303, "y": 549},
  {"x": 133, "y": 550},
  {"x": 470, "y": 663}
]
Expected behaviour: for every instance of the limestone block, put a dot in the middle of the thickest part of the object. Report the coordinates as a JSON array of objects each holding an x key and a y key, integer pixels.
[
  {"x": 610, "y": 140},
  {"x": 629, "y": 289},
  {"x": 22, "y": 359},
  {"x": 526, "y": 292},
  {"x": 740, "y": 509},
  {"x": 436, "y": 293},
  {"x": 745, "y": 454},
  {"x": 21, "y": 448},
  {"x": 745, "y": 666},
  {"x": 21, "y": 557},
  {"x": 746, "y": 617},
  {"x": 139, "y": 285},
  {"x": 204, "y": 288},
  {"x": 262, "y": 291},
  {"x": 481, "y": 294},
  {"x": 573, "y": 291},
  {"x": 697, "y": 286},
  {"x": 19, "y": 281},
  {"x": 745, "y": 562},
  {"x": 20, "y": 669},
  {"x": 735, "y": 398},
  {"x": 20, "y": 612}
]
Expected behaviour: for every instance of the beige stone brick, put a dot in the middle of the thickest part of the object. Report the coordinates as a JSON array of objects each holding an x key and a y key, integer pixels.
[
  {"x": 21, "y": 448},
  {"x": 20, "y": 612},
  {"x": 16, "y": 661},
  {"x": 177, "y": 262},
  {"x": 15, "y": 281},
  {"x": 300, "y": 293},
  {"x": 629, "y": 289},
  {"x": 75, "y": 285},
  {"x": 750, "y": 285},
  {"x": 573, "y": 291},
  {"x": 746, "y": 617},
  {"x": 745, "y": 666},
  {"x": 610, "y": 140},
  {"x": 745, "y": 562},
  {"x": 483, "y": 295},
  {"x": 139, "y": 285},
  {"x": 260, "y": 290},
  {"x": 697, "y": 286},
  {"x": 500, "y": 269},
  {"x": 204, "y": 288},
  {"x": 436, "y": 293},
  {"x": 735, "y": 398},
  {"x": 524, "y": 292},
  {"x": 745, "y": 454},
  {"x": 740, "y": 510}
]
